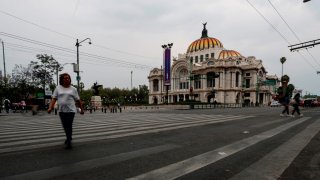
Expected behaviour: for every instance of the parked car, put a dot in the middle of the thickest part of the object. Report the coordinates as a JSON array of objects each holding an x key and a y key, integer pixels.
[
  {"x": 275, "y": 104},
  {"x": 311, "y": 102}
]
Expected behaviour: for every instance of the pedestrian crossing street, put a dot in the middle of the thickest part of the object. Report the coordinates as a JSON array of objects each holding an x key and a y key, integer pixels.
[{"x": 31, "y": 132}]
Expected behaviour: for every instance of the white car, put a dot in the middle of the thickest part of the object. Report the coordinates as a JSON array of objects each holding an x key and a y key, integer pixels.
[{"x": 275, "y": 104}]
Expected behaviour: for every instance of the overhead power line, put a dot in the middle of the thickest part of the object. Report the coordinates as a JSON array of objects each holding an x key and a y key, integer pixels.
[
  {"x": 304, "y": 45},
  {"x": 284, "y": 20},
  {"x": 279, "y": 31},
  {"x": 294, "y": 48},
  {"x": 268, "y": 22},
  {"x": 68, "y": 36},
  {"x": 97, "y": 57},
  {"x": 37, "y": 25}
]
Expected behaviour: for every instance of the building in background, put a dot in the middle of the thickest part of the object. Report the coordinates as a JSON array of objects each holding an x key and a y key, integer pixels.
[{"x": 209, "y": 73}]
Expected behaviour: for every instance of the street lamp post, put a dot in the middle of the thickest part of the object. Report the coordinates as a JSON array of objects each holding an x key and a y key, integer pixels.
[
  {"x": 78, "y": 68},
  {"x": 282, "y": 60},
  {"x": 131, "y": 79},
  {"x": 167, "y": 67},
  {"x": 81, "y": 86},
  {"x": 4, "y": 62}
]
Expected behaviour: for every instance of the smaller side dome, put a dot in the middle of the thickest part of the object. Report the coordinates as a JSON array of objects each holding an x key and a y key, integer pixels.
[{"x": 224, "y": 54}]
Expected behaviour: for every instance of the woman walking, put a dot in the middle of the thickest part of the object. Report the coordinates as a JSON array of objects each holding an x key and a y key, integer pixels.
[
  {"x": 284, "y": 94},
  {"x": 296, "y": 105},
  {"x": 67, "y": 97}
]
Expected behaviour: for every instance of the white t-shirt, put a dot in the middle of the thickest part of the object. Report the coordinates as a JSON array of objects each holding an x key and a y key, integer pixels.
[{"x": 66, "y": 98}]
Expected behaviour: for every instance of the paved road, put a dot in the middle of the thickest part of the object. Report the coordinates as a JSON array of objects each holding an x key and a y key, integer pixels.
[{"x": 244, "y": 143}]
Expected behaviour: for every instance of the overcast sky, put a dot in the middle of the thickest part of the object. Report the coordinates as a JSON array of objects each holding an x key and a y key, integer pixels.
[{"x": 127, "y": 35}]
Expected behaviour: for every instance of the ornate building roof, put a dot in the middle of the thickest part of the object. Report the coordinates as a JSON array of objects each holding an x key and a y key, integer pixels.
[
  {"x": 224, "y": 54},
  {"x": 204, "y": 42}
]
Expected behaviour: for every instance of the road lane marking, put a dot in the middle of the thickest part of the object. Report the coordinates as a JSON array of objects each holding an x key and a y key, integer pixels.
[
  {"x": 194, "y": 163},
  {"x": 90, "y": 164},
  {"x": 274, "y": 163},
  {"x": 117, "y": 133}
]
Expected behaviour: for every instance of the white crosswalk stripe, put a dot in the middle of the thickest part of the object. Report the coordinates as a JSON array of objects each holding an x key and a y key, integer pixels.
[{"x": 30, "y": 133}]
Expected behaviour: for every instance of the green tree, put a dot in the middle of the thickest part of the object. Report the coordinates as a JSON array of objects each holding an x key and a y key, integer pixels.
[
  {"x": 21, "y": 81},
  {"x": 143, "y": 95},
  {"x": 85, "y": 96},
  {"x": 44, "y": 70}
]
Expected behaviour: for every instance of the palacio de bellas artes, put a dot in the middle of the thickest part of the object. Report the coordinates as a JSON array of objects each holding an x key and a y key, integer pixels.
[{"x": 209, "y": 73}]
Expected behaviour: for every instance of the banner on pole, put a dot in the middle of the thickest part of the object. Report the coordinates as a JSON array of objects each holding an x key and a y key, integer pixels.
[{"x": 167, "y": 67}]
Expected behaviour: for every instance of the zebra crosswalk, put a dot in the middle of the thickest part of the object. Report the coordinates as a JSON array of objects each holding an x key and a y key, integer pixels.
[
  {"x": 30, "y": 133},
  {"x": 27, "y": 133}
]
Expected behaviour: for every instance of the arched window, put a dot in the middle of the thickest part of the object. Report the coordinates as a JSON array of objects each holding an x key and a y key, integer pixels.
[
  {"x": 183, "y": 79},
  {"x": 237, "y": 79},
  {"x": 211, "y": 79},
  {"x": 197, "y": 81},
  {"x": 155, "y": 85}
]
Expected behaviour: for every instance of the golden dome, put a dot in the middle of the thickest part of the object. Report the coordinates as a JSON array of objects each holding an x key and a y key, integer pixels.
[
  {"x": 204, "y": 43},
  {"x": 224, "y": 54}
]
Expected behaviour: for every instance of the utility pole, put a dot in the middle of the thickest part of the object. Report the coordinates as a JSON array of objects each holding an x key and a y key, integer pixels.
[
  {"x": 4, "y": 63},
  {"x": 78, "y": 67},
  {"x": 167, "y": 67},
  {"x": 161, "y": 86},
  {"x": 282, "y": 60},
  {"x": 131, "y": 80}
]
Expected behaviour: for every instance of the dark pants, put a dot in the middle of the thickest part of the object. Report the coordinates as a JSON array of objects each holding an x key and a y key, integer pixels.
[
  {"x": 7, "y": 109},
  {"x": 285, "y": 103},
  {"x": 67, "y": 120},
  {"x": 296, "y": 108}
]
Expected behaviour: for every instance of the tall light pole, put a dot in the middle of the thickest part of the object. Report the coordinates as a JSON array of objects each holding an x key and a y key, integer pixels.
[
  {"x": 78, "y": 67},
  {"x": 282, "y": 60},
  {"x": 4, "y": 62},
  {"x": 131, "y": 80},
  {"x": 167, "y": 67}
]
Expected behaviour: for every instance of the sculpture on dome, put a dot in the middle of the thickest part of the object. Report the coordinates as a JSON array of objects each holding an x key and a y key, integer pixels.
[
  {"x": 204, "y": 31},
  {"x": 204, "y": 25}
]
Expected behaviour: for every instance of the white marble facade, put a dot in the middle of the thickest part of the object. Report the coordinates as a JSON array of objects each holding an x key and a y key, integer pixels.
[{"x": 241, "y": 79}]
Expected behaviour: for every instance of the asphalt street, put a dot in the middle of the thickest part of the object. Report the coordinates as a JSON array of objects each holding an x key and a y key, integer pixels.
[{"x": 231, "y": 143}]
